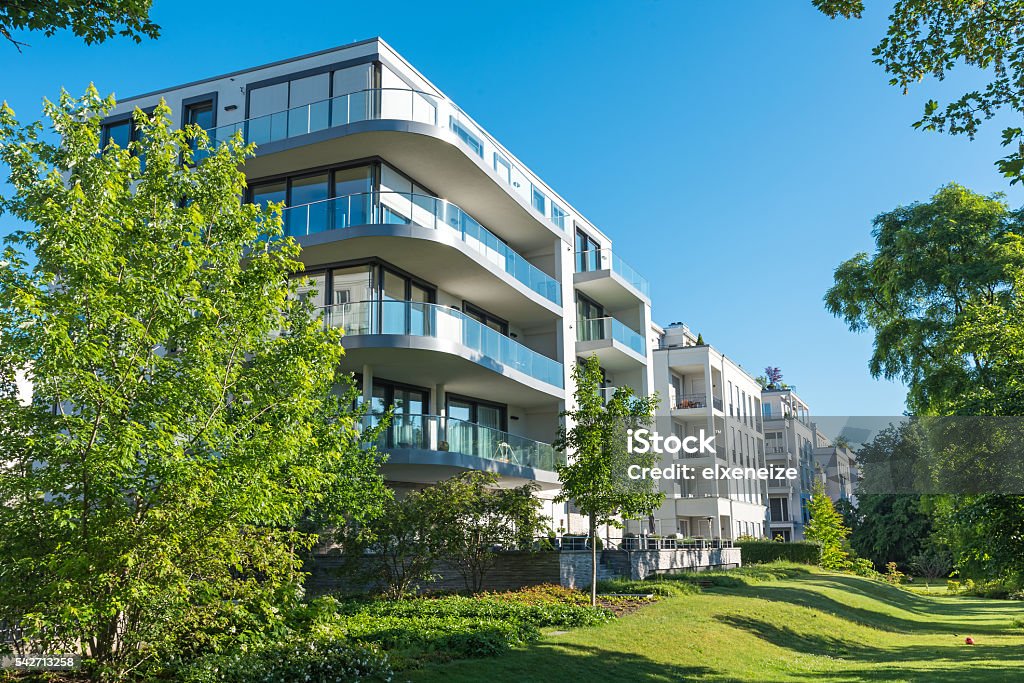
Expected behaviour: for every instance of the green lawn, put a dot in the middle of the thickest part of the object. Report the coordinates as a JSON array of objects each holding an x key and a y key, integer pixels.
[{"x": 809, "y": 625}]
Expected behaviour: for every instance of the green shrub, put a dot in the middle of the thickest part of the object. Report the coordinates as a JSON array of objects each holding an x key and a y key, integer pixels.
[
  {"x": 760, "y": 552},
  {"x": 661, "y": 587},
  {"x": 312, "y": 659}
]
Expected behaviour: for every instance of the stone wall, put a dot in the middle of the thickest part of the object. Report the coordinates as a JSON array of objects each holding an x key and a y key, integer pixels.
[{"x": 514, "y": 570}]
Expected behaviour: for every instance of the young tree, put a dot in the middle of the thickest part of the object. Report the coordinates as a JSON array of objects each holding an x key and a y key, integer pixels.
[
  {"x": 929, "y": 38},
  {"x": 400, "y": 547},
  {"x": 185, "y": 416},
  {"x": 826, "y": 528},
  {"x": 472, "y": 515},
  {"x": 596, "y": 478},
  {"x": 93, "y": 20}
]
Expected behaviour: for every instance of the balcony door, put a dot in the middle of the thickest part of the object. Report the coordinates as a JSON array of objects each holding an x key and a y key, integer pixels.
[
  {"x": 409, "y": 428},
  {"x": 476, "y": 427}
]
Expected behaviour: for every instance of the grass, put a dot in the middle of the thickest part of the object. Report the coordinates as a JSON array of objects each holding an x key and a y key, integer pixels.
[{"x": 774, "y": 624}]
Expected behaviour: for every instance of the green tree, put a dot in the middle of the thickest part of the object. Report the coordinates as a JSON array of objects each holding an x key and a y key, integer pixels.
[
  {"x": 399, "y": 548},
  {"x": 927, "y": 38},
  {"x": 826, "y": 528},
  {"x": 188, "y": 410},
  {"x": 472, "y": 516},
  {"x": 596, "y": 478},
  {"x": 942, "y": 294},
  {"x": 93, "y": 20},
  {"x": 891, "y": 528}
]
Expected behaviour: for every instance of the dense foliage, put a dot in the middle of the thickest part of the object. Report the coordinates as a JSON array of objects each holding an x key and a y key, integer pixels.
[
  {"x": 93, "y": 20},
  {"x": 187, "y": 411},
  {"x": 826, "y": 529},
  {"x": 761, "y": 552}
]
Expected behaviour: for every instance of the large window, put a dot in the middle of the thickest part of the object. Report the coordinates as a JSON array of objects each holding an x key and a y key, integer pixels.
[
  {"x": 588, "y": 252},
  {"x": 305, "y": 195},
  {"x": 119, "y": 132},
  {"x": 200, "y": 114},
  {"x": 482, "y": 316},
  {"x": 483, "y": 413},
  {"x": 779, "y": 509}
]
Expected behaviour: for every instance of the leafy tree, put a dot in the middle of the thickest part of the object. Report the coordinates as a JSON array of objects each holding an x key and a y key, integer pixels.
[
  {"x": 596, "y": 478},
  {"x": 926, "y": 38},
  {"x": 400, "y": 547},
  {"x": 826, "y": 528},
  {"x": 93, "y": 20},
  {"x": 472, "y": 516},
  {"x": 188, "y": 410},
  {"x": 891, "y": 528},
  {"x": 943, "y": 295}
]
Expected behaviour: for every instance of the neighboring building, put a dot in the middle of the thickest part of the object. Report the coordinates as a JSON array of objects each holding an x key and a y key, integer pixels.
[
  {"x": 702, "y": 389},
  {"x": 836, "y": 464},
  {"x": 467, "y": 287},
  {"x": 789, "y": 439}
]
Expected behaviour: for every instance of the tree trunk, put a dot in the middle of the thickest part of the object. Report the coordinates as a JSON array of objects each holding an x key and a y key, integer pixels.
[{"x": 593, "y": 561}]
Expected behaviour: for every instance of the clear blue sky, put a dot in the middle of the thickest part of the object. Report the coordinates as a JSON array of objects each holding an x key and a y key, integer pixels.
[{"x": 735, "y": 153}]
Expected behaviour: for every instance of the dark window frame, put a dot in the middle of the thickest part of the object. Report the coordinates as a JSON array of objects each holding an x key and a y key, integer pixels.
[
  {"x": 474, "y": 411},
  {"x": 475, "y": 312}
]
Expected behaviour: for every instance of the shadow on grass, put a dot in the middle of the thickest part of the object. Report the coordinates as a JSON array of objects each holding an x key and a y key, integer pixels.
[
  {"x": 893, "y": 662},
  {"x": 551, "y": 661},
  {"x": 936, "y": 617}
]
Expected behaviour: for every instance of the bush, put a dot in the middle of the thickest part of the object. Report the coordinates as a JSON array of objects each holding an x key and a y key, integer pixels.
[
  {"x": 862, "y": 566},
  {"x": 761, "y": 552},
  {"x": 661, "y": 587},
  {"x": 310, "y": 658}
]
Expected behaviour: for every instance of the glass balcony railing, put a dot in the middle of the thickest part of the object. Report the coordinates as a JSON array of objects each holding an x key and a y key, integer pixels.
[
  {"x": 432, "y": 320},
  {"x": 603, "y": 259},
  {"x": 436, "y": 433},
  {"x": 404, "y": 208},
  {"x": 405, "y": 105},
  {"x": 595, "y": 329}
]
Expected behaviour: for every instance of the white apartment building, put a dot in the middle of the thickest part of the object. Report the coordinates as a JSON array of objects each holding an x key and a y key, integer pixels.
[
  {"x": 789, "y": 440},
  {"x": 836, "y": 465},
  {"x": 467, "y": 286},
  {"x": 702, "y": 389}
]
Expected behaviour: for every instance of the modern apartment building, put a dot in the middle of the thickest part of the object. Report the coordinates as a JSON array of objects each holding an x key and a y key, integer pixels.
[
  {"x": 836, "y": 465},
  {"x": 703, "y": 390},
  {"x": 466, "y": 286},
  {"x": 789, "y": 440}
]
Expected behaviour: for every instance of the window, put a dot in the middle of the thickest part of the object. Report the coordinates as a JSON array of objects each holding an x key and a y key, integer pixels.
[
  {"x": 482, "y": 316},
  {"x": 471, "y": 140},
  {"x": 588, "y": 252},
  {"x": 540, "y": 202},
  {"x": 558, "y": 215},
  {"x": 503, "y": 168},
  {"x": 200, "y": 114},
  {"x": 779, "y": 509},
  {"x": 308, "y": 213},
  {"x": 119, "y": 132},
  {"x": 483, "y": 413}
]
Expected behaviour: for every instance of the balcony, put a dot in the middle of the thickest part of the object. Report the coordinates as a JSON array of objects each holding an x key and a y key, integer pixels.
[
  {"x": 402, "y": 104},
  {"x": 468, "y": 338},
  {"x": 616, "y": 345},
  {"x": 603, "y": 276},
  {"x": 445, "y": 437},
  {"x": 433, "y": 213}
]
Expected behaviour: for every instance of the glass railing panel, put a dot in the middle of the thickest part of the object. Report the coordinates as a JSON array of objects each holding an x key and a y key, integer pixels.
[
  {"x": 432, "y": 432},
  {"x": 627, "y": 336},
  {"x": 630, "y": 275},
  {"x": 595, "y": 329},
  {"x": 402, "y": 208},
  {"x": 603, "y": 259},
  {"x": 431, "y": 320}
]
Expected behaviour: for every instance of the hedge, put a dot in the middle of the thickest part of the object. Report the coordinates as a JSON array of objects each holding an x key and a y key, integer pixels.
[{"x": 759, "y": 552}]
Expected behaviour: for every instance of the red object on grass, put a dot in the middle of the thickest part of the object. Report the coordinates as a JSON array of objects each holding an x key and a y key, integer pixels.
[{"x": 968, "y": 640}]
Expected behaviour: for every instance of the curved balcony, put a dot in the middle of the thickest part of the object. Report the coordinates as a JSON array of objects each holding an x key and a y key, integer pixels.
[
  {"x": 402, "y": 104},
  {"x": 475, "y": 341},
  {"x": 443, "y": 441},
  {"x": 404, "y": 208}
]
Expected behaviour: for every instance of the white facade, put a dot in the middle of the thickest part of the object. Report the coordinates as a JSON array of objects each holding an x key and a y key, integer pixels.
[
  {"x": 703, "y": 390},
  {"x": 789, "y": 440},
  {"x": 467, "y": 287}
]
